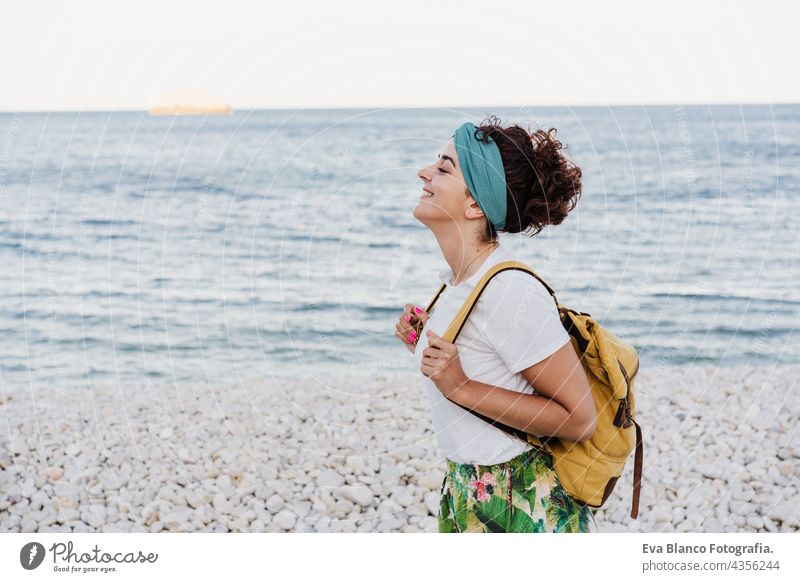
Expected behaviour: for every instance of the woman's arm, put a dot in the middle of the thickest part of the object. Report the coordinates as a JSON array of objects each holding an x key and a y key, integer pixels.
[{"x": 564, "y": 406}]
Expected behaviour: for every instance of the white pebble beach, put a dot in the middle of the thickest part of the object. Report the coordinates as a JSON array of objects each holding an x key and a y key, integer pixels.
[{"x": 358, "y": 454}]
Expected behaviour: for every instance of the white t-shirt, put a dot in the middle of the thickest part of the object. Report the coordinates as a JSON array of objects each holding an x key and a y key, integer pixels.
[{"x": 514, "y": 325}]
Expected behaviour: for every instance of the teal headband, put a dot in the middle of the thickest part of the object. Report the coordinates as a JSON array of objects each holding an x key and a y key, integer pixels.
[{"x": 483, "y": 172}]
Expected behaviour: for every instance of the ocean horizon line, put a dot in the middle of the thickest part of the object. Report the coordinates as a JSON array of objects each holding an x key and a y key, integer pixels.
[{"x": 431, "y": 107}]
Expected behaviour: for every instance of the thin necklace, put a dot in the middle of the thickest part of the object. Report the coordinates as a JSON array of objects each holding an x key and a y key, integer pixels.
[{"x": 476, "y": 258}]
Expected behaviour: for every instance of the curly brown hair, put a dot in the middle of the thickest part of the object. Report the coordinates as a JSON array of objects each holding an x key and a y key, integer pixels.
[{"x": 543, "y": 186}]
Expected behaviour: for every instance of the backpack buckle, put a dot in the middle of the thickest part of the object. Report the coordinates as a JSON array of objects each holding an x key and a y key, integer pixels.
[
  {"x": 628, "y": 415},
  {"x": 623, "y": 418},
  {"x": 619, "y": 417}
]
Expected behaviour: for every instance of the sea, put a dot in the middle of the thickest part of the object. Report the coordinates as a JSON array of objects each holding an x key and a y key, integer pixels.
[{"x": 281, "y": 243}]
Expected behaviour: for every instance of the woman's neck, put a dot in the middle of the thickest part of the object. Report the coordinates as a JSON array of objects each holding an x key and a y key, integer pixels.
[{"x": 465, "y": 259}]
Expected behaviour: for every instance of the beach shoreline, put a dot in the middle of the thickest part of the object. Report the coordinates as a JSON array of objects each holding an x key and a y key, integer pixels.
[{"x": 357, "y": 454}]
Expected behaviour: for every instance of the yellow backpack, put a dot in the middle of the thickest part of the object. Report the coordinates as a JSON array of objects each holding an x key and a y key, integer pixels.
[{"x": 588, "y": 470}]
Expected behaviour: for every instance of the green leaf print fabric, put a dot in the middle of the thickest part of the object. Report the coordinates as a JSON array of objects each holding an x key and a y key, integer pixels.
[{"x": 522, "y": 495}]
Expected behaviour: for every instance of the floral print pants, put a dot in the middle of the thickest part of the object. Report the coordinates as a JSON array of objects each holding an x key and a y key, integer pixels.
[{"x": 522, "y": 495}]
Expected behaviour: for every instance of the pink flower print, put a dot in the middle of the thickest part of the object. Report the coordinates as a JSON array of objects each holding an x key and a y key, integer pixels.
[{"x": 479, "y": 486}]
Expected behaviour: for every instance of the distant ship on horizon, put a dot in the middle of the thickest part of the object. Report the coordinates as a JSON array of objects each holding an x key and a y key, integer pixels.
[{"x": 191, "y": 101}]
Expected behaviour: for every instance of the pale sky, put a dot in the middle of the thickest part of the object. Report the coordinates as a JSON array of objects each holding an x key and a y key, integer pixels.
[{"x": 121, "y": 55}]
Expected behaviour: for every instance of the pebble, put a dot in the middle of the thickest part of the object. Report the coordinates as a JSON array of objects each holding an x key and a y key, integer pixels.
[
  {"x": 195, "y": 499},
  {"x": 389, "y": 524},
  {"x": 357, "y": 494},
  {"x": 389, "y": 475},
  {"x": 175, "y": 520},
  {"x": 330, "y": 479},
  {"x": 755, "y": 522},
  {"x": 432, "y": 481},
  {"x": 38, "y": 500},
  {"x": 285, "y": 519},
  {"x": 770, "y": 526},
  {"x": 356, "y": 464},
  {"x": 263, "y": 492},
  {"x": 711, "y": 525},
  {"x": 67, "y": 515},
  {"x": 63, "y": 489},
  {"x": 18, "y": 447},
  {"x": 406, "y": 497},
  {"x": 432, "y": 502},
  {"x": 429, "y": 524},
  {"x": 275, "y": 503},
  {"x": 56, "y": 473},
  {"x": 661, "y": 516},
  {"x": 220, "y": 500}
]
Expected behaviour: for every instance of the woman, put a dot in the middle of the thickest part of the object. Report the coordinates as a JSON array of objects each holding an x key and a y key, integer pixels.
[{"x": 514, "y": 361}]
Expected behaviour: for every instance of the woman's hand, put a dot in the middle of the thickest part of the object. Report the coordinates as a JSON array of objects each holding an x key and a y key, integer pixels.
[
  {"x": 409, "y": 325},
  {"x": 440, "y": 363}
]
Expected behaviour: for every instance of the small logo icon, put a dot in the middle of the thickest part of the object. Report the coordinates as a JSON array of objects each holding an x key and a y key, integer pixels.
[{"x": 31, "y": 555}]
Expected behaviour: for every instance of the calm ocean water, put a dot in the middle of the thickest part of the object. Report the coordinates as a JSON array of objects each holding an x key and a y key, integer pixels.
[{"x": 282, "y": 243}]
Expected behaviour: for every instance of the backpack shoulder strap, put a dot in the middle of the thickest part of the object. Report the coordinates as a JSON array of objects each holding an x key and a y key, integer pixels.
[
  {"x": 504, "y": 266},
  {"x": 435, "y": 299},
  {"x": 452, "y": 332}
]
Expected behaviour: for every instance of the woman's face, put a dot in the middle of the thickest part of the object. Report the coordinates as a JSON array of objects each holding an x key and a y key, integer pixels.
[{"x": 449, "y": 201}]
